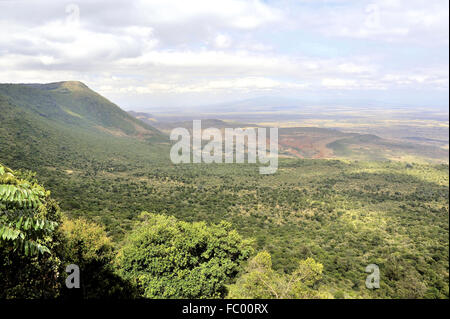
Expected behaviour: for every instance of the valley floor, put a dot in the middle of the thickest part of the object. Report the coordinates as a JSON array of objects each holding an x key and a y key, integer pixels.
[{"x": 344, "y": 214}]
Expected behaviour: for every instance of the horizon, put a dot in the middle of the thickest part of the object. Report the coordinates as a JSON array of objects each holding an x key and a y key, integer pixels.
[
  {"x": 283, "y": 103},
  {"x": 168, "y": 54}
]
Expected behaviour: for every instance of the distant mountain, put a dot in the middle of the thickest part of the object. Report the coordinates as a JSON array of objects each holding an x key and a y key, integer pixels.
[
  {"x": 166, "y": 127},
  {"x": 65, "y": 123}
]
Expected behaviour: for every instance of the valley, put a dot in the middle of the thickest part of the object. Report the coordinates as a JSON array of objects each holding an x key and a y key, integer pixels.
[
  {"x": 346, "y": 197},
  {"x": 416, "y": 137}
]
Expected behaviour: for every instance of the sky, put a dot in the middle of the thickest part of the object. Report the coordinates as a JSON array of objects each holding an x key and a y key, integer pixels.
[{"x": 178, "y": 53}]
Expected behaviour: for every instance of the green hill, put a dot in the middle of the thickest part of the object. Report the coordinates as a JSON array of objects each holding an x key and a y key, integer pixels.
[
  {"x": 67, "y": 124},
  {"x": 73, "y": 103}
]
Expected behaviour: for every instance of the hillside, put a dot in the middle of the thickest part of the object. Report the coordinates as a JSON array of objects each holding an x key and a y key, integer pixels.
[
  {"x": 73, "y": 103},
  {"x": 144, "y": 117},
  {"x": 65, "y": 123}
]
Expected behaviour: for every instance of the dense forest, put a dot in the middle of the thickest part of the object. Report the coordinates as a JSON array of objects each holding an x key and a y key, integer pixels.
[{"x": 106, "y": 197}]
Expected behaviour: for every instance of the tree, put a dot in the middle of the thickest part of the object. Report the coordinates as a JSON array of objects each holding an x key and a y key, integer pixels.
[
  {"x": 169, "y": 258},
  {"x": 28, "y": 237},
  {"x": 87, "y": 245},
  {"x": 24, "y": 207},
  {"x": 260, "y": 281}
]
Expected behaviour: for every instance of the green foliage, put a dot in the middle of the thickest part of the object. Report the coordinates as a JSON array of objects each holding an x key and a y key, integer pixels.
[
  {"x": 344, "y": 214},
  {"x": 169, "y": 258},
  {"x": 29, "y": 267},
  {"x": 260, "y": 281},
  {"x": 48, "y": 242},
  {"x": 72, "y": 103},
  {"x": 66, "y": 124},
  {"x": 86, "y": 242},
  {"x": 23, "y": 212},
  {"x": 87, "y": 246}
]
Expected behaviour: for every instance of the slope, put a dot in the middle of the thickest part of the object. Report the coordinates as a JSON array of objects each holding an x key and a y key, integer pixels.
[{"x": 66, "y": 124}]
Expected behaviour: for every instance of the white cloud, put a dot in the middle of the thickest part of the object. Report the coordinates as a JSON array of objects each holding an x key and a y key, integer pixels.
[
  {"x": 351, "y": 84},
  {"x": 222, "y": 41},
  {"x": 224, "y": 85},
  {"x": 338, "y": 83},
  {"x": 354, "y": 68},
  {"x": 232, "y": 13},
  {"x": 413, "y": 21},
  {"x": 174, "y": 47}
]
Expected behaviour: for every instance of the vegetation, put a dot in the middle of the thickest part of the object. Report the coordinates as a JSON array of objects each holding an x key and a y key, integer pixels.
[
  {"x": 25, "y": 223},
  {"x": 260, "y": 281},
  {"x": 28, "y": 221},
  {"x": 342, "y": 214},
  {"x": 161, "y": 258},
  {"x": 87, "y": 246},
  {"x": 173, "y": 259}
]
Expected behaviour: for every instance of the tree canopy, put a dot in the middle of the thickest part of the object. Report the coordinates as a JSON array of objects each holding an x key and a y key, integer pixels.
[
  {"x": 260, "y": 281},
  {"x": 170, "y": 258}
]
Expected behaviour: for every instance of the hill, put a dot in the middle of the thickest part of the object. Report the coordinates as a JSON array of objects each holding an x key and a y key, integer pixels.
[
  {"x": 73, "y": 103},
  {"x": 66, "y": 124},
  {"x": 312, "y": 142},
  {"x": 317, "y": 142}
]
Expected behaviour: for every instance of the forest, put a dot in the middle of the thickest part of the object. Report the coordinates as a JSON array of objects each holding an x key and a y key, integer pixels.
[{"x": 344, "y": 216}]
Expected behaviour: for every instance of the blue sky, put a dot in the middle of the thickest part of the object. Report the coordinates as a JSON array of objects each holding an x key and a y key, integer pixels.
[{"x": 178, "y": 53}]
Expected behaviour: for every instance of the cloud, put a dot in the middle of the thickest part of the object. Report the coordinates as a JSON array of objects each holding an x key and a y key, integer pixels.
[
  {"x": 231, "y": 13},
  {"x": 222, "y": 41},
  {"x": 178, "y": 48},
  {"x": 404, "y": 21},
  {"x": 235, "y": 84}
]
